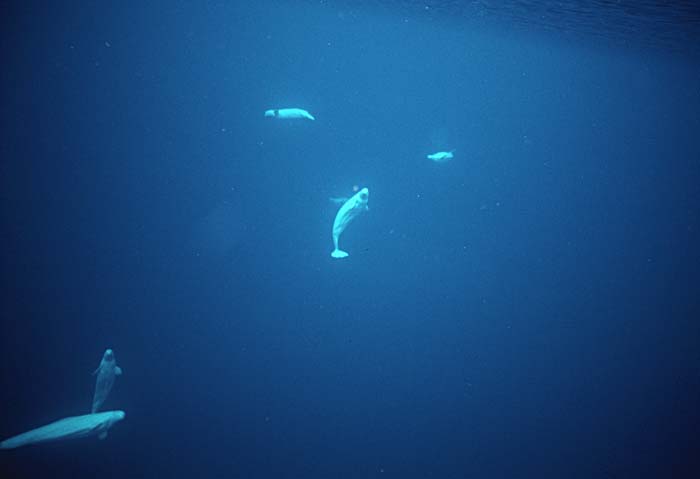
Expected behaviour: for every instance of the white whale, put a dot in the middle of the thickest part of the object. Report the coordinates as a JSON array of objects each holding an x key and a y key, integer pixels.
[
  {"x": 442, "y": 156},
  {"x": 289, "y": 114},
  {"x": 106, "y": 372},
  {"x": 67, "y": 428},
  {"x": 348, "y": 212}
]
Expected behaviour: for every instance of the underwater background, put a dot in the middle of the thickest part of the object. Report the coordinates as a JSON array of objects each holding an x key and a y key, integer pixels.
[{"x": 528, "y": 309}]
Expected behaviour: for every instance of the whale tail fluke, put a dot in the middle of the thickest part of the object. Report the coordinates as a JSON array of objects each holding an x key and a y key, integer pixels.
[{"x": 339, "y": 253}]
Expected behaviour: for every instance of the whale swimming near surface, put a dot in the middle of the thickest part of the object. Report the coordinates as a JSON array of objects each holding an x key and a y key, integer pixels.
[
  {"x": 442, "y": 156},
  {"x": 106, "y": 373},
  {"x": 289, "y": 114},
  {"x": 67, "y": 428},
  {"x": 348, "y": 212}
]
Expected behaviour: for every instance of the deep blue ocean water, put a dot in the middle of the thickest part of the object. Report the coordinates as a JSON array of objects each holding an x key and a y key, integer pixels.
[{"x": 527, "y": 310}]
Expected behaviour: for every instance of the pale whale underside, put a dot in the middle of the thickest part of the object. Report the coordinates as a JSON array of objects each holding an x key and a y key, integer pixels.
[{"x": 67, "y": 428}]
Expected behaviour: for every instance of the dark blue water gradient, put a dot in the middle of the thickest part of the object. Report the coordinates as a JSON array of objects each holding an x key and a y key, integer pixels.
[{"x": 526, "y": 310}]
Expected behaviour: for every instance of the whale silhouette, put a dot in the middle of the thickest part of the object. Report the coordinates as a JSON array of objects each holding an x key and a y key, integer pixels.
[
  {"x": 442, "y": 156},
  {"x": 348, "y": 212},
  {"x": 289, "y": 114},
  {"x": 67, "y": 428},
  {"x": 106, "y": 373}
]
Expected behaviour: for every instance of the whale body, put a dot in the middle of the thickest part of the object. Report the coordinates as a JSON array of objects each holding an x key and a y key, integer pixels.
[
  {"x": 441, "y": 156},
  {"x": 348, "y": 212},
  {"x": 289, "y": 114},
  {"x": 68, "y": 428},
  {"x": 106, "y": 373}
]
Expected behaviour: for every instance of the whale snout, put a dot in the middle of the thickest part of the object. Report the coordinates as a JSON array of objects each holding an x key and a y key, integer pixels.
[
  {"x": 109, "y": 354},
  {"x": 119, "y": 415}
]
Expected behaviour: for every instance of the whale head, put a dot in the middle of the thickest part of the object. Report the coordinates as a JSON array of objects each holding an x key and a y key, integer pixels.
[
  {"x": 108, "y": 355},
  {"x": 363, "y": 195},
  {"x": 107, "y": 419},
  {"x": 359, "y": 201}
]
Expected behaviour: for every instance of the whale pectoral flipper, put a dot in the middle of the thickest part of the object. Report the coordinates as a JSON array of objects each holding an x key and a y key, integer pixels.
[{"x": 117, "y": 371}]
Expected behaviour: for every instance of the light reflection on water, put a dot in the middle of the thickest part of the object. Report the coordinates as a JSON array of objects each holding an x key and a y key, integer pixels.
[{"x": 668, "y": 25}]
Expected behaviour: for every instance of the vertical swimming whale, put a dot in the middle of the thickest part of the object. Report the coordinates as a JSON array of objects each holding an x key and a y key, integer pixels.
[
  {"x": 348, "y": 212},
  {"x": 106, "y": 372}
]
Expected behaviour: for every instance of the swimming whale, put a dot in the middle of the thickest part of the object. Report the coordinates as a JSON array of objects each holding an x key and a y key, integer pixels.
[
  {"x": 348, "y": 212},
  {"x": 442, "y": 156},
  {"x": 67, "y": 428},
  {"x": 106, "y": 372},
  {"x": 289, "y": 114}
]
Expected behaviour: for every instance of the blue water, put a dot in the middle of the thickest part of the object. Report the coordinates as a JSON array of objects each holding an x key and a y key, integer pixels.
[{"x": 528, "y": 309}]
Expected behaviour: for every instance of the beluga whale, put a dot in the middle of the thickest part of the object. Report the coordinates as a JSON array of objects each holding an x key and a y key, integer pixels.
[
  {"x": 106, "y": 373},
  {"x": 289, "y": 114},
  {"x": 441, "y": 156},
  {"x": 348, "y": 212},
  {"x": 67, "y": 428}
]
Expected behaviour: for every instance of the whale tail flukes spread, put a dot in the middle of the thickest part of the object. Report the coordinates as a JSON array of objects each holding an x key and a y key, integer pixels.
[{"x": 339, "y": 253}]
